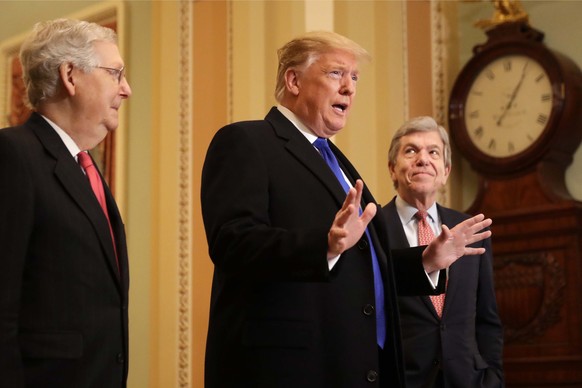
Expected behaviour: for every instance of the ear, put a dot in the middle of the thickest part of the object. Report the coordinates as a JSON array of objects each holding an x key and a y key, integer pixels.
[
  {"x": 446, "y": 174},
  {"x": 392, "y": 172},
  {"x": 67, "y": 77},
  {"x": 292, "y": 81}
]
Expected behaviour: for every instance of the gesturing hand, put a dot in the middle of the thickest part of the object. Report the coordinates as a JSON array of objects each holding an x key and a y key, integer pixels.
[
  {"x": 348, "y": 225},
  {"x": 452, "y": 244}
]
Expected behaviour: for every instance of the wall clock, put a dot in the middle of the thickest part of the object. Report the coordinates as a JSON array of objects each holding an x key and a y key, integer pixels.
[
  {"x": 515, "y": 114},
  {"x": 515, "y": 102}
]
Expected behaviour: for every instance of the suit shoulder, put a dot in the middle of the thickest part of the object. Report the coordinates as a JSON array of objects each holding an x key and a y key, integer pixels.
[
  {"x": 389, "y": 207},
  {"x": 452, "y": 213},
  {"x": 249, "y": 128},
  {"x": 248, "y": 125},
  {"x": 16, "y": 137}
]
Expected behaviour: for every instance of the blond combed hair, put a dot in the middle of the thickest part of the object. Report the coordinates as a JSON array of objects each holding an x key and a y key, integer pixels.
[{"x": 305, "y": 49}]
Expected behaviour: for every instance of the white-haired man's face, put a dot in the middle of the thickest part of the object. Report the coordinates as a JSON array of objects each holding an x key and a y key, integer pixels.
[{"x": 420, "y": 171}]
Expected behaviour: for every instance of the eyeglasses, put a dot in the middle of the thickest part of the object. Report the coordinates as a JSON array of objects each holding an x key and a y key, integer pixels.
[{"x": 118, "y": 73}]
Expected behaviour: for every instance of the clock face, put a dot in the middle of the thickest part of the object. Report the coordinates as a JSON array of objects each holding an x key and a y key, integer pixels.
[{"x": 508, "y": 106}]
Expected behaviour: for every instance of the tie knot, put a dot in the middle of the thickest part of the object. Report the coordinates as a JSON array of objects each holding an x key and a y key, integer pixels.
[
  {"x": 321, "y": 143},
  {"x": 84, "y": 160},
  {"x": 421, "y": 215}
]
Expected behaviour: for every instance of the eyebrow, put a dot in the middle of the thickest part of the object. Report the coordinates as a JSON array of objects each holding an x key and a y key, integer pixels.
[{"x": 415, "y": 145}]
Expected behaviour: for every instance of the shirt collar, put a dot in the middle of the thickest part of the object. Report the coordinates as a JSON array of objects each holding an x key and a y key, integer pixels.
[
  {"x": 69, "y": 142},
  {"x": 297, "y": 123},
  {"x": 407, "y": 211}
]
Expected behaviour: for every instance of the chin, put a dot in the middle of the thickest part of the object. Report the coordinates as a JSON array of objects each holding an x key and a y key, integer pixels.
[{"x": 111, "y": 126}]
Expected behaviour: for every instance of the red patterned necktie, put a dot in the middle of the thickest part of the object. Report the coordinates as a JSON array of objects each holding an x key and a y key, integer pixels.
[
  {"x": 97, "y": 185},
  {"x": 425, "y": 236}
]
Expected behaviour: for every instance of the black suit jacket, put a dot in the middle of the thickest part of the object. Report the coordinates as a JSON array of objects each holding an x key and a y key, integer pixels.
[
  {"x": 467, "y": 343},
  {"x": 63, "y": 302},
  {"x": 278, "y": 316}
]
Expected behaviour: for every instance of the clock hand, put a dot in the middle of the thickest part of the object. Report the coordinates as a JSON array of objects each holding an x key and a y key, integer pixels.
[{"x": 513, "y": 95}]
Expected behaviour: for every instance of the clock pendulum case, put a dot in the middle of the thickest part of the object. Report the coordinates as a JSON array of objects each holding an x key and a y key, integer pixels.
[{"x": 515, "y": 113}]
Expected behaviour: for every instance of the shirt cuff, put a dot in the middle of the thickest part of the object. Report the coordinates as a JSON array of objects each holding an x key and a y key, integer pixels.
[{"x": 331, "y": 262}]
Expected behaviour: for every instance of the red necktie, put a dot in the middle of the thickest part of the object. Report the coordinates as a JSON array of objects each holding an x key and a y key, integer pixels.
[
  {"x": 425, "y": 236},
  {"x": 97, "y": 185}
]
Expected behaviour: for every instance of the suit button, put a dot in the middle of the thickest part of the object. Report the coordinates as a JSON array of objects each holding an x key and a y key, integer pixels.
[
  {"x": 372, "y": 376},
  {"x": 120, "y": 358},
  {"x": 368, "y": 309},
  {"x": 436, "y": 361},
  {"x": 443, "y": 327},
  {"x": 363, "y": 244}
]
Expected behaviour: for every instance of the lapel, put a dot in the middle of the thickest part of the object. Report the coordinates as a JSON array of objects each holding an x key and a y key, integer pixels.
[
  {"x": 299, "y": 147},
  {"x": 396, "y": 231},
  {"x": 68, "y": 172}
]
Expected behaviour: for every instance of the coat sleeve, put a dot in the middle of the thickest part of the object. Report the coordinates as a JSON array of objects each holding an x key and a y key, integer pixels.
[
  {"x": 236, "y": 208},
  {"x": 410, "y": 276}
]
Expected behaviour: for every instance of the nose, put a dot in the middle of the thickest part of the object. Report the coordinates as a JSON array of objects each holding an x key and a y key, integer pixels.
[
  {"x": 422, "y": 158},
  {"x": 125, "y": 89},
  {"x": 348, "y": 86}
]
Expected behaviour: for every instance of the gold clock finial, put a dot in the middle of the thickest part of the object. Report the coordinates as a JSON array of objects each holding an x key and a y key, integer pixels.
[{"x": 505, "y": 11}]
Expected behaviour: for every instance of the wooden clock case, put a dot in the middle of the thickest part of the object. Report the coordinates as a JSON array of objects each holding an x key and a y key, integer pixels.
[{"x": 537, "y": 225}]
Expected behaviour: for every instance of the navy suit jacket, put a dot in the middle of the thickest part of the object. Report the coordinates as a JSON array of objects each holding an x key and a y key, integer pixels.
[
  {"x": 278, "y": 316},
  {"x": 467, "y": 343},
  {"x": 63, "y": 302}
]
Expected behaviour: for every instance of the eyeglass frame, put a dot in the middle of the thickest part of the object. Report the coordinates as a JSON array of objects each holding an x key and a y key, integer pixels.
[{"x": 111, "y": 70}]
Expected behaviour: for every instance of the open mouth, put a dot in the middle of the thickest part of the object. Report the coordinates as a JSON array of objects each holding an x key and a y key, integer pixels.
[{"x": 340, "y": 107}]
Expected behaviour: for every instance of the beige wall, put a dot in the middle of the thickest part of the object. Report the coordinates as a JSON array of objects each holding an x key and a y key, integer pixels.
[{"x": 195, "y": 66}]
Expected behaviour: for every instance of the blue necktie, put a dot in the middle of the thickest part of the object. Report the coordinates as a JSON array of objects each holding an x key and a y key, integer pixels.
[{"x": 323, "y": 147}]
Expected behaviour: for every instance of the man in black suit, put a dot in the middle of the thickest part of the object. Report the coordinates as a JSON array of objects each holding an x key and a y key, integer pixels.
[
  {"x": 462, "y": 346},
  {"x": 64, "y": 279},
  {"x": 294, "y": 299}
]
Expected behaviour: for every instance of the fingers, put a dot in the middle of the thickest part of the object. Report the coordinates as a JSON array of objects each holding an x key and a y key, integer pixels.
[
  {"x": 482, "y": 224},
  {"x": 343, "y": 216},
  {"x": 478, "y": 222},
  {"x": 446, "y": 233},
  {"x": 474, "y": 251},
  {"x": 478, "y": 237},
  {"x": 359, "y": 189},
  {"x": 349, "y": 225},
  {"x": 472, "y": 226},
  {"x": 368, "y": 213},
  {"x": 351, "y": 203}
]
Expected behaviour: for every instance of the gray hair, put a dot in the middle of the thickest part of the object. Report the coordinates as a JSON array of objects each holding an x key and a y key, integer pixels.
[
  {"x": 419, "y": 124},
  {"x": 52, "y": 43},
  {"x": 304, "y": 50}
]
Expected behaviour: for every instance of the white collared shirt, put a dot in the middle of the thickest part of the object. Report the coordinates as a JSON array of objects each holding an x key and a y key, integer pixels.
[
  {"x": 69, "y": 142},
  {"x": 406, "y": 213}
]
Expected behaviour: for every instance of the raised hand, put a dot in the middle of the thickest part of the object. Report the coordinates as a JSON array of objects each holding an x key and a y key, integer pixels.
[
  {"x": 452, "y": 244},
  {"x": 348, "y": 225}
]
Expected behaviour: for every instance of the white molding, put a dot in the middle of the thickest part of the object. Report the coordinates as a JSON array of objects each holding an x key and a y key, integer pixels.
[
  {"x": 405, "y": 72},
  {"x": 439, "y": 78},
  {"x": 185, "y": 204}
]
